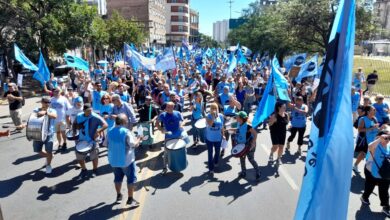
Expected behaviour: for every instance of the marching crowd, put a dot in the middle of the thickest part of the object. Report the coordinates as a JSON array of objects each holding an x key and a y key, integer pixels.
[{"x": 103, "y": 107}]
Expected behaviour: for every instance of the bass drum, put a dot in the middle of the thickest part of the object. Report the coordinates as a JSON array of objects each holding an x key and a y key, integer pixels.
[{"x": 37, "y": 127}]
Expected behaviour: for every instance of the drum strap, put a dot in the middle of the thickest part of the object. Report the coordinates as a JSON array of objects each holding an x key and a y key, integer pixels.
[{"x": 150, "y": 112}]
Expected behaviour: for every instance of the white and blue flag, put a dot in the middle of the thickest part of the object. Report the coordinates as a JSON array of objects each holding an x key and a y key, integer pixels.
[
  {"x": 308, "y": 69},
  {"x": 327, "y": 179}
]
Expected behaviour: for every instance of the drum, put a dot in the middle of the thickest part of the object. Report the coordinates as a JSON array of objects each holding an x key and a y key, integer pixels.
[
  {"x": 146, "y": 133},
  {"x": 37, "y": 127},
  {"x": 84, "y": 147},
  {"x": 200, "y": 124},
  {"x": 70, "y": 136},
  {"x": 240, "y": 150},
  {"x": 176, "y": 154}
]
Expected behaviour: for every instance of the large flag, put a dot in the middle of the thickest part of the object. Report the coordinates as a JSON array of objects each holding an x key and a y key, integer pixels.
[
  {"x": 19, "y": 56},
  {"x": 295, "y": 60},
  {"x": 280, "y": 82},
  {"x": 308, "y": 69},
  {"x": 43, "y": 73},
  {"x": 232, "y": 62},
  {"x": 267, "y": 103},
  {"x": 241, "y": 59},
  {"x": 246, "y": 51},
  {"x": 166, "y": 61},
  {"x": 327, "y": 178},
  {"x": 76, "y": 62}
]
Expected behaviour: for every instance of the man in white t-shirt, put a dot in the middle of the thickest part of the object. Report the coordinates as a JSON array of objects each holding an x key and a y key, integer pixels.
[{"x": 61, "y": 105}]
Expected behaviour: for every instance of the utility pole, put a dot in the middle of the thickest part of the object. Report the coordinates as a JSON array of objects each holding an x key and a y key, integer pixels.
[{"x": 230, "y": 6}]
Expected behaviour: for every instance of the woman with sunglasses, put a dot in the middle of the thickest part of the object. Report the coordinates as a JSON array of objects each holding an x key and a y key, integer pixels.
[
  {"x": 379, "y": 150},
  {"x": 106, "y": 110}
]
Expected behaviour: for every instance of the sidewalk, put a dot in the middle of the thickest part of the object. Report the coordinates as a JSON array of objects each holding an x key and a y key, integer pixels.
[{"x": 31, "y": 103}]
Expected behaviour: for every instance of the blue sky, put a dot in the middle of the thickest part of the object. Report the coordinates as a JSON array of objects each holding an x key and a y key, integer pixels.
[{"x": 211, "y": 11}]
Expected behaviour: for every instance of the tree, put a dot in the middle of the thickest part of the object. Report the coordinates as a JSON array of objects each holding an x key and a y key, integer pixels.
[
  {"x": 121, "y": 30},
  {"x": 207, "y": 41}
]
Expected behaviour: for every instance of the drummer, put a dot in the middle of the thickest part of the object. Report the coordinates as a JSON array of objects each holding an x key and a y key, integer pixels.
[
  {"x": 230, "y": 112},
  {"x": 121, "y": 157},
  {"x": 197, "y": 113},
  {"x": 88, "y": 124},
  {"x": 246, "y": 135},
  {"x": 38, "y": 145},
  {"x": 173, "y": 124}
]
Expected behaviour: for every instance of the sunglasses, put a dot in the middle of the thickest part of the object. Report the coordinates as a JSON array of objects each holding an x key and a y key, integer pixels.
[
  {"x": 387, "y": 139},
  {"x": 46, "y": 102}
]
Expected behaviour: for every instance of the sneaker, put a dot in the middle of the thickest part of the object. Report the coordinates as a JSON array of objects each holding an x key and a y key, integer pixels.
[
  {"x": 95, "y": 173},
  {"x": 48, "y": 169},
  {"x": 242, "y": 174},
  {"x": 63, "y": 147},
  {"x": 164, "y": 171},
  {"x": 271, "y": 158},
  {"x": 132, "y": 202},
  {"x": 83, "y": 173},
  {"x": 119, "y": 197},
  {"x": 258, "y": 174},
  {"x": 288, "y": 146},
  {"x": 355, "y": 169},
  {"x": 365, "y": 201},
  {"x": 279, "y": 161},
  {"x": 386, "y": 211}
]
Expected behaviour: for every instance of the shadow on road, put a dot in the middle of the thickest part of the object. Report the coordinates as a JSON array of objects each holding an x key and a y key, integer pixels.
[
  {"x": 193, "y": 182},
  {"x": 100, "y": 211},
  {"x": 232, "y": 189},
  {"x": 159, "y": 181},
  {"x": 26, "y": 159},
  {"x": 365, "y": 213}
]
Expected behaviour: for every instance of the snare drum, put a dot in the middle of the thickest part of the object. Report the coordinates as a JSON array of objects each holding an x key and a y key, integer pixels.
[
  {"x": 176, "y": 154},
  {"x": 240, "y": 150},
  {"x": 84, "y": 147},
  {"x": 200, "y": 124},
  {"x": 70, "y": 136},
  {"x": 37, "y": 127}
]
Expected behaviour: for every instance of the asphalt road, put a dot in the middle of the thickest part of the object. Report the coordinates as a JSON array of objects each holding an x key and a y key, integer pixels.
[{"x": 26, "y": 192}]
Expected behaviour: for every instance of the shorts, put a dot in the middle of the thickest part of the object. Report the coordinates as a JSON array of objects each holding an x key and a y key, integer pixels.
[
  {"x": 361, "y": 144},
  {"x": 278, "y": 138},
  {"x": 129, "y": 171},
  {"x": 16, "y": 116},
  {"x": 92, "y": 155},
  {"x": 38, "y": 145},
  {"x": 60, "y": 126}
]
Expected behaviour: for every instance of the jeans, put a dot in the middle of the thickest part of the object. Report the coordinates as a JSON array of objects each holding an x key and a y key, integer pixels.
[
  {"x": 301, "y": 133},
  {"x": 383, "y": 187},
  {"x": 213, "y": 160},
  {"x": 251, "y": 158}
]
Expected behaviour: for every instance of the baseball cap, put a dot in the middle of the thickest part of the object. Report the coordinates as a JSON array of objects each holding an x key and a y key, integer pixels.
[
  {"x": 87, "y": 106},
  {"x": 79, "y": 99},
  {"x": 242, "y": 114}
]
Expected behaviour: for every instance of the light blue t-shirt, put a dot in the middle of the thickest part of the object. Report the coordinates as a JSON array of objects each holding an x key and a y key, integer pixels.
[
  {"x": 355, "y": 101},
  {"x": 380, "y": 113},
  {"x": 197, "y": 112},
  {"x": 214, "y": 132}
]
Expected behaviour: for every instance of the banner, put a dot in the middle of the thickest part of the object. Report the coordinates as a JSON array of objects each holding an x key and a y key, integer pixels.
[
  {"x": 76, "y": 62},
  {"x": 295, "y": 60},
  {"x": 19, "y": 56},
  {"x": 308, "y": 69},
  {"x": 327, "y": 179}
]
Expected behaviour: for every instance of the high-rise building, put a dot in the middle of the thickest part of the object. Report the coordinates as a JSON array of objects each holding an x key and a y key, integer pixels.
[
  {"x": 101, "y": 6},
  {"x": 194, "y": 26},
  {"x": 177, "y": 27},
  {"x": 268, "y": 2},
  {"x": 221, "y": 30},
  {"x": 382, "y": 11},
  {"x": 150, "y": 13}
]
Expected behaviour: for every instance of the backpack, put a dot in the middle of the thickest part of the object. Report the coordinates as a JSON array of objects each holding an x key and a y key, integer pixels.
[{"x": 383, "y": 170}]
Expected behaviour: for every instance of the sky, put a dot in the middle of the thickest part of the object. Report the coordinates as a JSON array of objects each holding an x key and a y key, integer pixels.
[{"x": 211, "y": 11}]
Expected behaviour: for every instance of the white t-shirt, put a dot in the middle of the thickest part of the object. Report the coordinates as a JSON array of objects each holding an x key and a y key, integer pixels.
[
  {"x": 61, "y": 105},
  {"x": 72, "y": 113}
]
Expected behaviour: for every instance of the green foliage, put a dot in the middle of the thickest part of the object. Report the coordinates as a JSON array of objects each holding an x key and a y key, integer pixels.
[
  {"x": 121, "y": 30},
  {"x": 207, "y": 41},
  {"x": 295, "y": 26}
]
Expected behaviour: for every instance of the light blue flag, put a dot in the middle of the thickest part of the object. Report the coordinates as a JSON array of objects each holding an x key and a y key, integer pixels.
[
  {"x": 43, "y": 73},
  {"x": 128, "y": 56},
  {"x": 327, "y": 178},
  {"x": 310, "y": 68},
  {"x": 181, "y": 56},
  {"x": 76, "y": 62},
  {"x": 232, "y": 62},
  {"x": 241, "y": 59},
  {"x": 166, "y": 61},
  {"x": 246, "y": 51},
  {"x": 19, "y": 56},
  {"x": 280, "y": 82},
  {"x": 267, "y": 103},
  {"x": 295, "y": 60}
]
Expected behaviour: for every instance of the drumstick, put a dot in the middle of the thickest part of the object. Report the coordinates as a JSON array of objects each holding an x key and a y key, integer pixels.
[{"x": 9, "y": 126}]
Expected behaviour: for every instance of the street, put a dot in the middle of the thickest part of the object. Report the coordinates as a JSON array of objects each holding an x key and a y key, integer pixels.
[{"x": 27, "y": 193}]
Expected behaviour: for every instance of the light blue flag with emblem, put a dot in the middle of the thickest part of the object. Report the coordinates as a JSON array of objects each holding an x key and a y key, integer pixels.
[
  {"x": 76, "y": 62},
  {"x": 241, "y": 59},
  {"x": 43, "y": 73},
  {"x": 308, "y": 69},
  {"x": 327, "y": 178},
  {"x": 295, "y": 60},
  {"x": 19, "y": 56},
  {"x": 267, "y": 103},
  {"x": 280, "y": 82}
]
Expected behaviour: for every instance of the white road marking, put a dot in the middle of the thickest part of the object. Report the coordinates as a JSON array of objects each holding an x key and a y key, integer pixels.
[{"x": 283, "y": 171}]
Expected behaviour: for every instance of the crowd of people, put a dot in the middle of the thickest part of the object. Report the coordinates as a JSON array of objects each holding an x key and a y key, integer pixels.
[{"x": 106, "y": 106}]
